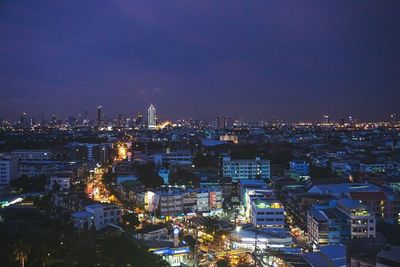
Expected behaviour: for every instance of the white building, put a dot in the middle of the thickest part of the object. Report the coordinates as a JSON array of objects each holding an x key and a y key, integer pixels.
[
  {"x": 152, "y": 117},
  {"x": 267, "y": 214},
  {"x": 246, "y": 168},
  {"x": 97, "y": 216},
  {"x": 256, "y": 194},
  {"x": 176, "y": 157},
  {"x": 171, "y": 204},
  {"x": 8, "y": 170},
  {"x": 362, "y": 221},
  {"x": 208, "y": 199},
  {"x": 62, "y": 179},
  {"x": 32, "y": 154},
  {"x": 33, "y": 168},
  {"x": 177, "y": 201}
]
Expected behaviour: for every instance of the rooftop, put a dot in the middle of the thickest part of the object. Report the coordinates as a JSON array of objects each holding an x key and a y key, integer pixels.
[
  {"x": 81, "y": 214},
  {"x": 393, "y": 254},
  {"x": 244, "y": 182},
  {"x": 339, "y": 189},
  {"x": 328, "y": 256},
  {"x": 264, "y": 204}
]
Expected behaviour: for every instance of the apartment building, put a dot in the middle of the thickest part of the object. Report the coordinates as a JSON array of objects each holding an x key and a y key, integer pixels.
[{"x": 246, "y": 168}]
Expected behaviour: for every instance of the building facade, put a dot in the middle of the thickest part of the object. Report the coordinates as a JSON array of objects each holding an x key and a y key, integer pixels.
[
  {"x": 8, "y": 170},
  {"x": 32, "y": 154},
  {"x": 246, "y": 168},
  {"x": 362, "y": 220},
  {"x": 97, "y": 216},
  {"x": 267, "y": 214},
  {"x": 151, "y": 118},
  {"x": 299, "y": 168}
]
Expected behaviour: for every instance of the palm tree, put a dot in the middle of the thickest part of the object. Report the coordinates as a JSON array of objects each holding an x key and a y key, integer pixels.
[
  {"x": 21, "y": 252},
  {"x": 43, "y": 256}
]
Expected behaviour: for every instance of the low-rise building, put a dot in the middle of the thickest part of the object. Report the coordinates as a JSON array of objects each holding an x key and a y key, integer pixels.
[
  {"x": 179, "y": 201},
  {"x": 97, "y": 216},
  {"x": 176, "y": 157},
  {"x": 327, "y": 226},
  {"x": 267, "y": 214},
  {"x": 389, "y": 257},
  {"x": 63, "y": 179},
  {"x": 33, "y": 168},
  {"x": 362, "y": 221},
  {"x": 299, "y": 168},
  {"x": 33, "y": 154}
]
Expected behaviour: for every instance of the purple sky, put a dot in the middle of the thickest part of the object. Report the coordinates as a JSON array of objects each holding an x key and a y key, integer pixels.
[{"x": 202, "y": 59}]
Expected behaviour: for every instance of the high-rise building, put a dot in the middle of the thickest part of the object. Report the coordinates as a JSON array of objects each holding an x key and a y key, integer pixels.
[
  {"x": 53, "y": 119},
  {"x": 99, "y": 116},
  {"x": 23, "y": 121},
  {"x": 326, "y": 119},
  {"x": 246, "y": 168},
  {"x": 138, "y": 119},
  {"x": 152, "y": 117},
  {"x": 8, "y": 169}
]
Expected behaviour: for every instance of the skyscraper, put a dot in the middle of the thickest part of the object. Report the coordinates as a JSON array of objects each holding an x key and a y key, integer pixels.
[
  {"x": 99, "y": 116},
  {"x": 138, "y": 119},
  {"x": 151, "y": 117}
]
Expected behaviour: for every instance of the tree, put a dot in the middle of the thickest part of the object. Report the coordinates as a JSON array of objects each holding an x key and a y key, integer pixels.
[
  {"x": 130, "y": 221},
  {"x": 191, "y": 242},
  {"x": 223, "y": 263},
  {"x": 21, "y": 252},
  {"x": 30, "y": 184},
  {"x": 210, "y": 225},
  {"x": 319, "y": 172},
  {"x": 148, "y": 176},
  {"x": 183, "y": 176},
  {"x": 43, "y": 256},
  {"x": 109, "y": 250},
  {"x": 201, "y": 160}
]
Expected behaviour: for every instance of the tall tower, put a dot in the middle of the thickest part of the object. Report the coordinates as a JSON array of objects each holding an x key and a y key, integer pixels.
[
  {"x": 99, "y": 116},
  {"x": 151, "y": 117},
  {"x": 138, "y": 119}
]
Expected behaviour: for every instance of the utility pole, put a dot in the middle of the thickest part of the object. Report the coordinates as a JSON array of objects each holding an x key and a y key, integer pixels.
[
  {"x": 255, "y": 246},
  {"x": 194, "y": 226}
]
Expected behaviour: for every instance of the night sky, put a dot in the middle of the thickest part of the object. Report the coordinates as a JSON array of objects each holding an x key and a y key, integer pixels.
[{"x": 201, "y": 59}]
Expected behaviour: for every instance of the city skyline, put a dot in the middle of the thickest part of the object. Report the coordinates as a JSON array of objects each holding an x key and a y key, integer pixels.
[
  {"x": 99, "y": 114},
  {"x": 296, "y": 62},
  {"x": 199, "y": 133}
]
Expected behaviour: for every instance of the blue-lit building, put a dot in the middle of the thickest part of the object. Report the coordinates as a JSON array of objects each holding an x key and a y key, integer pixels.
[
  {"x": 175, "y": 256},
  {"x": 327, "y": 226},
  {"x": 299, "y": 168}
]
